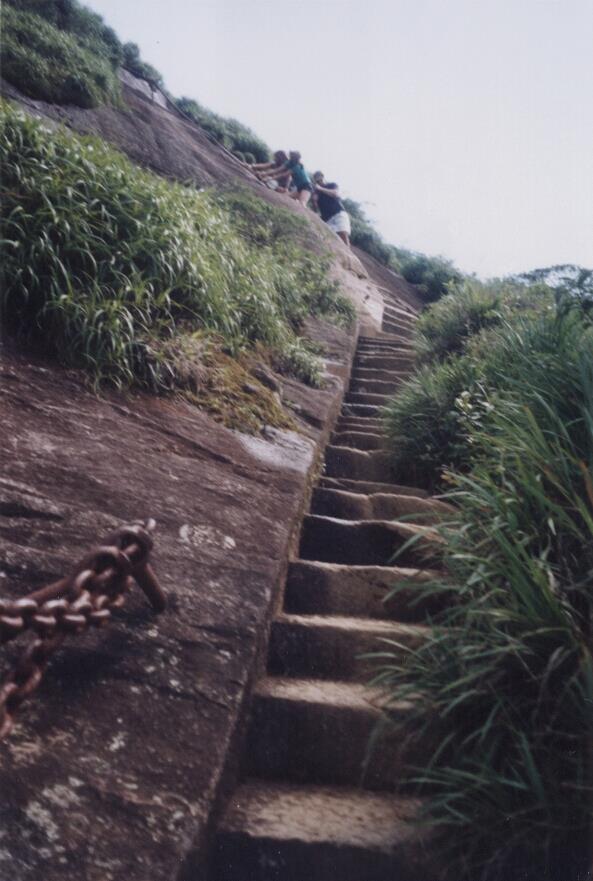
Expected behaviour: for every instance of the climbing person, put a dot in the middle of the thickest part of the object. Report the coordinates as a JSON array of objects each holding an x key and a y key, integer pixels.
[
  {"x": 331, "y": 207},
  {"x": 259, "y": 168},
  {"x": 303, "y": 188}
]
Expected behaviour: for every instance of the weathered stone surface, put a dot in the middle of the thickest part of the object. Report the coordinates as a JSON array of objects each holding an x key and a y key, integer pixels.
[
  {"x": 318, "y": 731},
  {"x": 313, "y": 587},
  {"x": 333, "y": 646},
  {"x": 114, "y": 766},
  {"x": 279, "y": 832}
]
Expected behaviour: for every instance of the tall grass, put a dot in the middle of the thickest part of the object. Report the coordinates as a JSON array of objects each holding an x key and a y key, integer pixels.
[
  {"x": 63, "y": 52},
  {"x": 470, "y": 307},
  {"x": 55, "y": 65},
  {"x": 105, "y": 263},
  {"x": 429, "y": 421},
  {"x": 445, "y": 328},
  {"x": 502, "y": 690}
]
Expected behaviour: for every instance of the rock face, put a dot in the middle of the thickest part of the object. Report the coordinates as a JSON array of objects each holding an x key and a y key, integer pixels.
[{"x": 116, "y": 762}]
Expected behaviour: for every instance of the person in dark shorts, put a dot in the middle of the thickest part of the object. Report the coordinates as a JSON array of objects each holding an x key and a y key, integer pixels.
[
  {"x": 331, "y": 207},
  {"x": 300, "y": 178}
]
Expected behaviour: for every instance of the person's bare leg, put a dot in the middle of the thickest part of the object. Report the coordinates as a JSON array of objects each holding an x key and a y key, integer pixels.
[
  {"x": 345, "y": 238},
  {"x": 304, "y": 197}
]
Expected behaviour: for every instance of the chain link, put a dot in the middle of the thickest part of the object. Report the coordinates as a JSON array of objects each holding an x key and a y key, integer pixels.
[{"x": 97, "y": 585}]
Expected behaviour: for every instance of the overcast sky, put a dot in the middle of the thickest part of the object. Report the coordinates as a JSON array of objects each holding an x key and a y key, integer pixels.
[{"x": 465, "y": 127}]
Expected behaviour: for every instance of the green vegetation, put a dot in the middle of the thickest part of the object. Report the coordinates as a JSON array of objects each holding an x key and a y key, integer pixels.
[
  {"x": 62, "y": 52},
  {"x": 502, "y": 690},
  {"x": 432, "y": 275},
  {"x": 228, "y": 132},
  {"x": 76, "y": 64},
  {"x": 116, "y": 270},
  {"x": 131, "y": 61},
  {"x": 471, "y": 307},
  {"x": 472, "y": 343}
]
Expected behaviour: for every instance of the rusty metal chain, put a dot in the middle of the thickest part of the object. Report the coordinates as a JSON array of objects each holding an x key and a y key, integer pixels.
[{"x": 97, "y": 585}]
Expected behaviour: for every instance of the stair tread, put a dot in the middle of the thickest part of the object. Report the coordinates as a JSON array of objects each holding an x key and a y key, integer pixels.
[
  {"x": 350, "y": 624},
  {"x": 398, "y": 572},
  {"x": 327, "y": 692},
  {"x": 395, "y": 526},
  {"x": 338, "y": 814},
  {"x": 372, "y": 486}
]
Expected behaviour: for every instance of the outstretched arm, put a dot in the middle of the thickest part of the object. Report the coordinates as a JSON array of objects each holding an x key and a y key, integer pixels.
[
  {"x": 329, "y": 191},
  {"x": 260, "y": 166},
  {"x": 282, "y": 172}
]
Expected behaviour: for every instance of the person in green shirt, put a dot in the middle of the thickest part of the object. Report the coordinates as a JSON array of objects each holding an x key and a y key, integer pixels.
[{"x": 300, "y": 178}]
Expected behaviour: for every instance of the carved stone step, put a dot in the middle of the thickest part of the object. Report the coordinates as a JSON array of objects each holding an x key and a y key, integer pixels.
[
  {"x": 367, "y": 398},
  {"x": 367, "y": 487},
  {"x": 368, "y": 542},
  {"x": 380, "y": 360},
  {"x": 382, "y": 339},
  {"x": 397, "y": 347},
  {"x": 318, "y": 731},
  {"x": 369, "y": 425},
  {"x": 366, "y": 373},
  {"x": 374, "y": 465},
  {"x": 359, "y": 440},
  {"x": 284, "y": 832},
  {"x": 350, "y": 409},
  {"x": 397, "y": 314},
  {"x": 397, "y": 328},
  {"x": 376, "y": 506},
  {"x": 387, "y": 387},
  {"x": 339, "y": 589},
  {"x": 332, "y": 646}
]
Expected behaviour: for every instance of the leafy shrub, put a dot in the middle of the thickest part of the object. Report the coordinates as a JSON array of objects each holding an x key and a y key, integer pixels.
[
  {"x": 431, "y": 274},
  {"x": 104, "y": 262},
  {"x": 503, "y": 686},
  {"x": 425, "y": 421},
  {"x": 430, "y": 418},
  {"x": 445, "y": 327},
  {"x": 53, "y": 65},
  {"x": 63, "y": 52},
  {"x": 70, "y": 16},
  {"x": 131, "y": 61},
  {"x": 307, "y": 289},
  {"x": 231, "y": 134}
]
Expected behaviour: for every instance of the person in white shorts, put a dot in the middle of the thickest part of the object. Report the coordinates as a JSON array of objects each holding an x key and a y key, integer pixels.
[{"x": 331, "y": 207}]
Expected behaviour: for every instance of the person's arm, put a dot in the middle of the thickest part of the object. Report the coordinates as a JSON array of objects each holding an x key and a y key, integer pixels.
[
  {"x": 260, "y": 166},
  {"x": 329, "y": 191},
  {"x": 276, "y": 174}
]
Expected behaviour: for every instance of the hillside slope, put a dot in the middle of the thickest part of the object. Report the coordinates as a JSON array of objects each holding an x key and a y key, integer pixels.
[
  {"x": 116, "y": 766},
  {"x": 153, "y": 133}
]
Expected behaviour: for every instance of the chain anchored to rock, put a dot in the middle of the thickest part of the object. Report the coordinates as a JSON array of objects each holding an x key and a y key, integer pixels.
[{"x": 83, "y": 599}]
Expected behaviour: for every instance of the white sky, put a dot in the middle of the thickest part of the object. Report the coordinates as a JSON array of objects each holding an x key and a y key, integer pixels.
[{"x": 465, "y": 127}]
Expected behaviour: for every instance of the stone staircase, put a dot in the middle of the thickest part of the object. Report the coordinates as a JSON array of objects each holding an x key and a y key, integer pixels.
[{"x": 305, "y": 810}]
